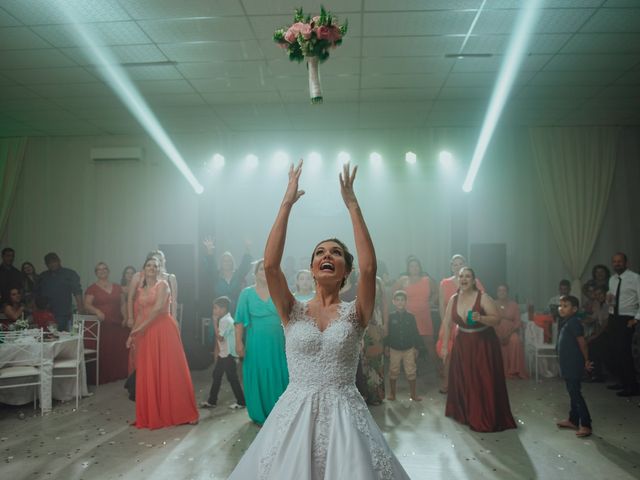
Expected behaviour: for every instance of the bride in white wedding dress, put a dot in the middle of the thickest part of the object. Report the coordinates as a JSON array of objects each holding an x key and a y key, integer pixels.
[{"x": 320, "y": 428}]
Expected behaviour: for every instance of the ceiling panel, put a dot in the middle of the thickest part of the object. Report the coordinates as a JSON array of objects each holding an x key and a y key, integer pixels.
[
  {"x": 579, "y": 63},
  {"x": 403, "y": 81},
  {"x": 574, "y": 78},
  {"x": 157, "y": 87},
  {"x": 16, "y": 91},
  {"x": 73, "y": 90},
  {"x": 390, "y": 65},
  {"x": 613, "y": 20},
  {"x": 146, "y": 72},
  {"x": 550, "y": 21},
  {"x": 166, "y": 9},
  {"x": 395, "y": 94},
  {"x": 417, "y": 23},
  {"x": 287, "y": 7},
  {"x": 248, "y": 84},
  {"x": 109, "y": 33},
  {"x": 44, "y": 58},
  {"x": 197, "y": 29},
  {"x": 38, "y": 12},
  {"x": 231, "y": 98},
  {"x": 7, "y": 20},
  {"x": 212, "y": 51},
  {"x": 20, "y": 38},
  {"x": 616, "y": 43},
  {"x": 393, "y": 114},
  {"x": 33, "y": 76},
  {"x": 416, "y": 5},
  {"x": 411, "y": 46},
  {"x": 121, "y": 53},
  {"x": 222, "y": 69}
]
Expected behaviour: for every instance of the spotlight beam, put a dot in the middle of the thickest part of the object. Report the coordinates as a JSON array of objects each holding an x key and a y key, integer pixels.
[
  {"x": 123, "y": 87},
  {"x": 508, "y": 72}
]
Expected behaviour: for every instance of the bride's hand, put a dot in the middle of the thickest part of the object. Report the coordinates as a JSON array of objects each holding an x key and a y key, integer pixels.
[
  {"x": 292, "y": 194},
  {"x": 346, "y": 185}
]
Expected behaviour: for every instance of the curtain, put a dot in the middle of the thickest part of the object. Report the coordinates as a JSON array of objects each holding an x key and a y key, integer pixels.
[
  {"x": 575, "y": 168},
  {"x": 12, "y": 152}
]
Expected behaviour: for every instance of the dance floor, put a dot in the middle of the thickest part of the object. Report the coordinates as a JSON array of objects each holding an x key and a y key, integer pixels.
[{"x": 98, "y": 443}]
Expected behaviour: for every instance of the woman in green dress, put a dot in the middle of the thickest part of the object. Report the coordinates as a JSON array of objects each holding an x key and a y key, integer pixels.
[{"x": 264, "y": 370}]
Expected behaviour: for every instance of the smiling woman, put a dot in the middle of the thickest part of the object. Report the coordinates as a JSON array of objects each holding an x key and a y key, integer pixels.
[{"x": 321, "y": 423}]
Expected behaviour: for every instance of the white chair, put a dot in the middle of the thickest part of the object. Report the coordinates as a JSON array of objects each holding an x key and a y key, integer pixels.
[
  {"x": 536, "y": 348},
  {"x": 70, "y": 367},
  {"x": 91, "y": 329},
  {"x": 24, "y": 362},
  {"x": 179, "y": 316}
]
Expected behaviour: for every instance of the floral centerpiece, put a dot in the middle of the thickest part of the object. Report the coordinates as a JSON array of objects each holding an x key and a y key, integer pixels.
[{"x": 311, "y": 38}]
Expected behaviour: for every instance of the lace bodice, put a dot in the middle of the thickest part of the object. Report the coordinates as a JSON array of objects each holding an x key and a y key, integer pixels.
[{"x": 320, "y": 360}]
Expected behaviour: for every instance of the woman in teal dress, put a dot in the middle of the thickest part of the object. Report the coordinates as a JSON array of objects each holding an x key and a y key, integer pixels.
[{"x": 264, "y": 370}]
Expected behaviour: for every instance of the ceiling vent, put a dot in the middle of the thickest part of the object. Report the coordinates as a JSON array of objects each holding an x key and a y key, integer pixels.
[{"x": 116, "y": 154}]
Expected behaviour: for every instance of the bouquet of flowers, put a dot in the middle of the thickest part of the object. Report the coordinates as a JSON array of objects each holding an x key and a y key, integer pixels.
[{"x": 311, "y": 38}]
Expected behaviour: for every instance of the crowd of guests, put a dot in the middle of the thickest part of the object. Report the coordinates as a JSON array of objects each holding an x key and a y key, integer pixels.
[{"x": 478, "y": 344}]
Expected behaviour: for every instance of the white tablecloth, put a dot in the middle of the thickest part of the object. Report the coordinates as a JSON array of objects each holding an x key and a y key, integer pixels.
[{"x": 60, "y": 389}]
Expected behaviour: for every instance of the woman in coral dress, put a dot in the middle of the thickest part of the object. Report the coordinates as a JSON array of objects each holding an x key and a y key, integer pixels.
[
  {"x": 104, "y": 299},
  {"x": 164, "y": 392},
  {"x": 508, "y": 333},
  {"x": 477, "y": 389},
  {"x": 419, "y": 290}
]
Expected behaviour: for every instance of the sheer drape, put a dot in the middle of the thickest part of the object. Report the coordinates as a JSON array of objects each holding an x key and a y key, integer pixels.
[
  {"x": 11, "y": 158},
  {"x": 575, "y": 167}
]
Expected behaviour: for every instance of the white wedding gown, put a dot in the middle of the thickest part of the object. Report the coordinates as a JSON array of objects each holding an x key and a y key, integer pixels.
[{"x": 320, "y": 428}]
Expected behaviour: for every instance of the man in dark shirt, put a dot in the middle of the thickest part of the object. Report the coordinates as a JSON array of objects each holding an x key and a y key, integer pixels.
[
  {"x": 10, "y": 276},
  {"x": 574, "y": 359},
  {"x": 403, "y": 342},
  {"x": 58, "y": 285}
]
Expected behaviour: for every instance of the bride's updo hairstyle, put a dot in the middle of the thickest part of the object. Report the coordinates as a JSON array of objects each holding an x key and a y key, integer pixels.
[{"x": 348, "y": 258}]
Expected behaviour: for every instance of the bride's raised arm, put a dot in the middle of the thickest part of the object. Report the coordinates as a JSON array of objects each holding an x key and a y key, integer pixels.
[
  {"x": 277, "y": 282},
  {"x": 367, "y": 263}
]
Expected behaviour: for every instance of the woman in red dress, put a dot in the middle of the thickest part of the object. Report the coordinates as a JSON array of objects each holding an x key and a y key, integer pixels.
[
  {"x": 448, "y": 287},
  {"x": 164, "y": 392},
  {"x": 104, "y": 300},
  {"x": 477, "y": 389}
]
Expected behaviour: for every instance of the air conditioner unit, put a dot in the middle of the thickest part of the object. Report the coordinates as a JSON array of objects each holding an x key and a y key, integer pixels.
[{"x": 116, "y": 154}]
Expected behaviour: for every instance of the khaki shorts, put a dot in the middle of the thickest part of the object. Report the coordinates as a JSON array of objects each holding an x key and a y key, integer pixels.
[{"x": 407, "y": 358}]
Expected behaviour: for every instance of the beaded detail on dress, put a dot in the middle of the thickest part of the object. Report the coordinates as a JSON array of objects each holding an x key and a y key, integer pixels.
[{"x": 322, "y": 368}]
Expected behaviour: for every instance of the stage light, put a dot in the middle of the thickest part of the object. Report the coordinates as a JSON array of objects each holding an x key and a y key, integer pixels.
[
  {"x": 315, "y": 159},
  {"x": 410, "y": 158},
  {"x": 376, "y": 159},
  {"x": 115, "y": 76},
  {"x": 217, "y": 161},
  {"x": 343, "y": 157},
  {"x": 446, "y": 159},
  {"x": 281, "y": 159},
  {"x": 251, "y": 161},
  {"x": 508, "y": 72}
]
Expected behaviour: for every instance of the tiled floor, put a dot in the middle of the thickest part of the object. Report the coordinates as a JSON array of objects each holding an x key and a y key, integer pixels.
[{"x": 97, "y": 443}]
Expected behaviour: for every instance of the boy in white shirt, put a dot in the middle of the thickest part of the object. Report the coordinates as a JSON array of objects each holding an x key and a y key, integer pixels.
[{"x": 226, "y": 358}]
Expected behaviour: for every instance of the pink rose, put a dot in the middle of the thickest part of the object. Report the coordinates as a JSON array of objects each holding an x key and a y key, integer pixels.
[
  {"x": 305, "y": 31},
  {"x": 331, "y": 33},
  {"x": 291, "y": 35},
  {"x": 296, "y": 29}
]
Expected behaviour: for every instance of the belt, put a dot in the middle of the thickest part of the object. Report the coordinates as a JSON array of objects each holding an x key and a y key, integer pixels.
[{"x": 472, "y": 330}]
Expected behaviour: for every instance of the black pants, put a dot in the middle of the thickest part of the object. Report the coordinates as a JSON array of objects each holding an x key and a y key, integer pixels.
[
  {"x": 579, "y": 413},
  {"x": 226, "y": 365},
  {"x": 622, "y": 359}
]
